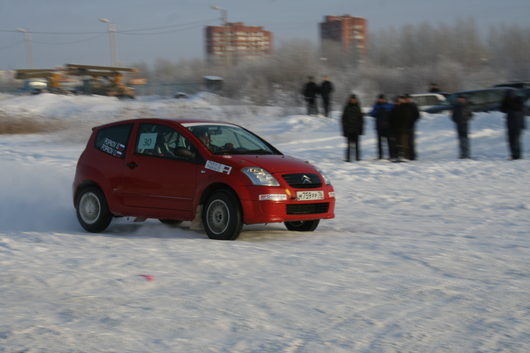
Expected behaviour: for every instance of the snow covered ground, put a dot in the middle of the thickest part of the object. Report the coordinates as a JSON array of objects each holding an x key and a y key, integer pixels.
[{"x": 427, "y": 256}]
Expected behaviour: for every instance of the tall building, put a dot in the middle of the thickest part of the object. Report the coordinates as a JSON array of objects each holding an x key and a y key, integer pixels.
[
  {"x": 350, "y": 32},
  {"x": 234, "y": 42}
]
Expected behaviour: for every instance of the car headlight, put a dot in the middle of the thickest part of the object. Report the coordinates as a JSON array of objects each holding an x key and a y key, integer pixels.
[
  {"x": 260, "y": 176},
  {"x": 324, "y": 176}
]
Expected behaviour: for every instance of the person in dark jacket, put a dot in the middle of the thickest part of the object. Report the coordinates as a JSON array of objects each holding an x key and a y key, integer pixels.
[
  {"x": 310, "y": 92},
  {"x": 352, "y": 126},
  {"x": 381, "y": 112},
  {"x": 462, "y": 113},
  {"x": 513, "y": 106},
  {"x": 410, "y": 115},
  {"x": 326, "y": 88},
  {"x": 396, "y": 126},
  {"x": 434, "y": 88}
]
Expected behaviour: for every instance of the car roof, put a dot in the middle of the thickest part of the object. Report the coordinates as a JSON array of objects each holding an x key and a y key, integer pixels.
[{"x": 182, "y": 122}]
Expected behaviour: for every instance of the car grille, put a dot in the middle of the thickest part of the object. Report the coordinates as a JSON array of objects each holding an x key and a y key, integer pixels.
[
  {"x": 308, "y": 208},
  {"x": 303, "y": 180}
]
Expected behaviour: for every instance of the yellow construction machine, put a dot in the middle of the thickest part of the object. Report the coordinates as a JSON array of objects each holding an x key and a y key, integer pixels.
[
  {"x": 102, "y": 80},
  {"x": 39, "y": 80}
]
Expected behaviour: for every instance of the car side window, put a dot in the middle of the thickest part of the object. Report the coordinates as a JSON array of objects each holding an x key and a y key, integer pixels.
[
  {"x": 162, "y": 141},
  {"x": 113, "y": 140}
]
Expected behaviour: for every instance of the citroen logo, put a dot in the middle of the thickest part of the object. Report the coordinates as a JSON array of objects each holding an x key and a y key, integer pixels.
[{"x": 306, "y": 179}]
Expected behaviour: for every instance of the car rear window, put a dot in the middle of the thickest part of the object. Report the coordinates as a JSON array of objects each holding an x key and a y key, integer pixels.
[{"x": 113, "y": 140}]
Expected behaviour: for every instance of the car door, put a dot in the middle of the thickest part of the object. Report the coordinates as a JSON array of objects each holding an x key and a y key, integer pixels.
[{"x": 162, "y": 171}]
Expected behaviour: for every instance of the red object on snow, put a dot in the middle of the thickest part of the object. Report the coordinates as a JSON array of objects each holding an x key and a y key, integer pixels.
[{"x": 148, "y": 277}]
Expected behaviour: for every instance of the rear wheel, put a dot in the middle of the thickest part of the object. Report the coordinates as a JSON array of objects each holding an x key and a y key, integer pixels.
[
  {"x": 302, "y": 226},
  {"x": 222, "y": 217},
  {"x": 92, "y": 210}
]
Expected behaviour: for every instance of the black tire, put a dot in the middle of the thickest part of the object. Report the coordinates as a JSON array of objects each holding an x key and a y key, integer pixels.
[
  {"x": 170, "y": 222},
  {"x": 302, "y": 226},
  {"x": 92, "y": 210},
  {"x": 221, "y": 216}
]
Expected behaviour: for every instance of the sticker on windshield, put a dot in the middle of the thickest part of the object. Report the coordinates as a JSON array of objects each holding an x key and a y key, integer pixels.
[
  {"x": 147, "y": 140},
  {"x": 218, "y": 167}
]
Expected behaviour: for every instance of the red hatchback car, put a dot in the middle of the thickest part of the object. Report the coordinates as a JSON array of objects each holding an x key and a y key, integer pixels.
[{"x": 176, "y": 170}]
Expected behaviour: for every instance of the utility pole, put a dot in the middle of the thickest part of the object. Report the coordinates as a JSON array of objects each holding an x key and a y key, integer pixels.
[
  {"x": 224, "y": 14},
  {"x": 112, "y": 29},
  {"x": 27, "y": 40}
]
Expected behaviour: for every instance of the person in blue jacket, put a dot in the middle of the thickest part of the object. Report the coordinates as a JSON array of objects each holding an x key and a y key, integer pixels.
[{"x": 381, "y": 113}]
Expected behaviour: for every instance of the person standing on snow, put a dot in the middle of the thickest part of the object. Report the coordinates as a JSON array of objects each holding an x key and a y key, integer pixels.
[
  {"x": 381, "y": 112},
  {"x": 326, "y": 88},
  {"x": 352, "y": 126},
  {"x": 513, "y": 106},
  {"x": 462, "y": 113},
  {"x": 396, "y": 126},
  {"x": 310, "y": 92},
  {"x": 411, "y": 115}
]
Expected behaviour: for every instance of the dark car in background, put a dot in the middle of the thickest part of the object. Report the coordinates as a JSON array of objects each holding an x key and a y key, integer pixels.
[{"x": 481, "y": 100}]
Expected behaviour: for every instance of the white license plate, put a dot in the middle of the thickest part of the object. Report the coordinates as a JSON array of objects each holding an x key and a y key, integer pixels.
[{"x": 309, "y": 195}]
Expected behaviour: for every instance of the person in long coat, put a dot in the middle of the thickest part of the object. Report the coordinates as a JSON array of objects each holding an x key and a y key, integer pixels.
[
  {"x": 396, "y": 127},
  {"x": 352, "y": 127},
  {"x": 461, "y": 115},
  {"x": 381, "y": 113},
  {"x": 513, "y": 106},
  {"x": 326, "y": 88},
  {"x": 411, "y": 115},
  {"x": 310, "y": 92}
]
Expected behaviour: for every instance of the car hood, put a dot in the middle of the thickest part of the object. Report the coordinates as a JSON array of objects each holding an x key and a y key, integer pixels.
[{"x": 271, "y": 163}]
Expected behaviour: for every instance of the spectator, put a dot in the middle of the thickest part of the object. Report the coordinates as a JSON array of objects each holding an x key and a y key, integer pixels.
[
  {"x": 434, "y": 88},
  {"x": 381, "y": 111},
  {"x": 513, "y": 106},
  {"x": 396, "y": 126},
  {"x": 352, "y": 126},
  {"x": 326, "y": 88},
  {"x": 310, "y": 92},
  {"x": 462, "y": 113},
  {"x": 410, "y": 115}
]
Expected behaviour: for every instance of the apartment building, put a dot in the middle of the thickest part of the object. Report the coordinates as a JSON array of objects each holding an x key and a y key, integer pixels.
[
  {"x": 350, "y": 32},
  {"x": 235, "y": 42}
]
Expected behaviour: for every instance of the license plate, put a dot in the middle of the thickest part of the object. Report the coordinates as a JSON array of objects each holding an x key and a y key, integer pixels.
[{"x": 309, "y": 195}]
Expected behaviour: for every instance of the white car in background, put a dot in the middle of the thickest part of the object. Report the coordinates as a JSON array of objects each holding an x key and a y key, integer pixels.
[{"x": 425, "y": 101}]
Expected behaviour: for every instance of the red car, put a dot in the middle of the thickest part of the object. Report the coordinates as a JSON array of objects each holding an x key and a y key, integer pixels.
[{"x": 176, "y": 170}]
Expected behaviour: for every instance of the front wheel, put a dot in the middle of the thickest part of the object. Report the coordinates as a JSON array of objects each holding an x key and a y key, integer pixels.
[
  {"x": 92, "y": 210},
  {"x": 222, "y": 217},
  {"x": 302, "y": 226}
]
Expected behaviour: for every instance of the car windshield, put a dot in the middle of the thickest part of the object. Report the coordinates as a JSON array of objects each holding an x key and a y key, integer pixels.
[{"x": 229, "y": 139}]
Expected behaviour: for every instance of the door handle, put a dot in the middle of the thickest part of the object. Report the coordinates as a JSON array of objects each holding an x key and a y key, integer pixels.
[{"x": 132, "y": 165}]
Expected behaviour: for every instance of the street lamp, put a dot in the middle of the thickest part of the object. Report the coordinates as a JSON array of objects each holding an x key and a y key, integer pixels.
[
  {"x": 27, "y": 40},
  {"x": 224, "y": 14},
  {"x": 112, "y": 29}
]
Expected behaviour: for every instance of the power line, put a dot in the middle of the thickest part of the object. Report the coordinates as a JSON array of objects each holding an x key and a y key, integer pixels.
[{"x": 137, "y": 31}]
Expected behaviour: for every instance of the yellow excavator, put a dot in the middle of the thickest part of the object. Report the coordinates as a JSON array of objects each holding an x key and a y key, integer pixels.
[{"x": 102, "y": 80}]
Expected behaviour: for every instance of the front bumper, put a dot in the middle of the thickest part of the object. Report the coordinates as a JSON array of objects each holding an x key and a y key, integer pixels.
[{"x": 265, "y": 205}]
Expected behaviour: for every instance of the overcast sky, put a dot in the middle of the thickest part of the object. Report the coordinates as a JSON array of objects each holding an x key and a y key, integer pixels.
[{"x": 68, "y": 31}]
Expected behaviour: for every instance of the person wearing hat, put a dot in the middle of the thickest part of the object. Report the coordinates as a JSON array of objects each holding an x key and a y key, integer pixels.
[
  {"x": 461, "y": 115},
  {"x": 352, "y": 126},
  {"x": 381, "y": 111}
]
